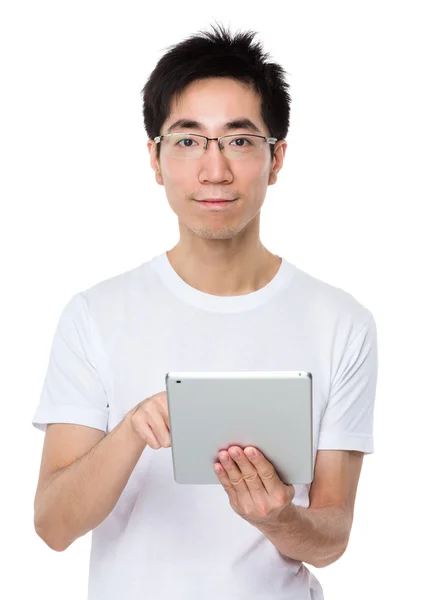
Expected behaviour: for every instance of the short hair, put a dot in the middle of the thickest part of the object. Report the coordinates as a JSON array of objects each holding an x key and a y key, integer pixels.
[{"x": 218, "y": 54}]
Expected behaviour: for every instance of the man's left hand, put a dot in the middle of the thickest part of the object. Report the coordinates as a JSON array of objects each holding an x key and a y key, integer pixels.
[{"x": 253, "y": 486}]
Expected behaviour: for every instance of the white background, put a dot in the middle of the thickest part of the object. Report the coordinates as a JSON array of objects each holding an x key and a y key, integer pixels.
[{"x": 79, "y": 203}]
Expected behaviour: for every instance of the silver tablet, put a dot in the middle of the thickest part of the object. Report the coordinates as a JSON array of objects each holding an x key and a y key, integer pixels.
[{"x": 211, "y": 411}]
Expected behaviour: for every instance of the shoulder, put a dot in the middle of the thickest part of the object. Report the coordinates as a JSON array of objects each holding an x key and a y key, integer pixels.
[{"x": 323, "y": 302}]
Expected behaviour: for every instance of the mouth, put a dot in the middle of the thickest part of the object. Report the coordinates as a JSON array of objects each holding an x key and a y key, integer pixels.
[
  {"x": 216, "y": 200},
  {"x": 215, "y": 203}
]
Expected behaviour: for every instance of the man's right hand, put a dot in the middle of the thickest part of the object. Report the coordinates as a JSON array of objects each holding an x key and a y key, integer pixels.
[{"x": 150, "y": 420}]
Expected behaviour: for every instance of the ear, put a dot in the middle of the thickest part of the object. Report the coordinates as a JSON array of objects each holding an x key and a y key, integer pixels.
[
  {"x": 277, "y": 162},
  {"x": 154, "y": 162}
]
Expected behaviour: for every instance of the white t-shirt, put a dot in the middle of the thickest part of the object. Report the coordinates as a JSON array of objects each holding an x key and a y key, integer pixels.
[{"x": 113, "y": 345}]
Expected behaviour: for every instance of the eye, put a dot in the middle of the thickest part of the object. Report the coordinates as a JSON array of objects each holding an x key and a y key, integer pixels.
[
  {"x": 186, "y": 140},
  {"x": 241, "y": 139}
]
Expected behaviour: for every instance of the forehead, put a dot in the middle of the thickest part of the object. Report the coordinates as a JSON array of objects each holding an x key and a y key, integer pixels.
[{"x": 215, "y": 101}]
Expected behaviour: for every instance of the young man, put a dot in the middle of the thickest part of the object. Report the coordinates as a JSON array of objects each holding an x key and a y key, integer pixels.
[{"x": 218, "y": 300}]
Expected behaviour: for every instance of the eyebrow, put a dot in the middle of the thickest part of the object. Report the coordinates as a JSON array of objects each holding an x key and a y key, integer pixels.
[{"x": 240, "y": 123}]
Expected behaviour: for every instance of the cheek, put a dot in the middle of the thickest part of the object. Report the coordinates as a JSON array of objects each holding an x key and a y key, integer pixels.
[
  {"x": 180, "y": 184},
  {"x": 179, "y": 178},
  {"x": 179, "y": 172},
  {"x": 257, "y": 170},
  {"x": 255, "y": 179}
]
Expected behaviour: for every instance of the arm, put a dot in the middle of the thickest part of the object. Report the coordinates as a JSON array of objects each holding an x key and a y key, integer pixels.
[
  {"x": 316, "y": 536},
  {"x": 78, "y": 497},
  {"x": 319, "y": 535}
]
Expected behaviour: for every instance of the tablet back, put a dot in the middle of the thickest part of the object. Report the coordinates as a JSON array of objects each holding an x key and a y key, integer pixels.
[{"x": 211, "y": 411}]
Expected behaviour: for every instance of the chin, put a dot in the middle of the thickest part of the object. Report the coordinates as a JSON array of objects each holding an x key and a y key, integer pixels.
[{"x": 219, "y": 233}]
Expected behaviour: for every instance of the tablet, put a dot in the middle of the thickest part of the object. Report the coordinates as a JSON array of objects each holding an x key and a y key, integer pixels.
[{"x": 211, "y": 411}]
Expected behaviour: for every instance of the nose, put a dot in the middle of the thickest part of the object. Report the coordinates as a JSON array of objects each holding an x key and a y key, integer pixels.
[{"x": 213, "y": 165}]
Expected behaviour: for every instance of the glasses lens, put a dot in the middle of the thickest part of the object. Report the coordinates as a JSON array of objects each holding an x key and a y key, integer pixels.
[
  {"x": 184, "y": 145},
  {"x": 242, "y": 146}
]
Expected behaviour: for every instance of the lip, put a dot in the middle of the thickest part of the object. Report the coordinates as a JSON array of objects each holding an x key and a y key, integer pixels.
[
  {"x": 215, "y": 204},
  {"x": 215, "y": 200}
]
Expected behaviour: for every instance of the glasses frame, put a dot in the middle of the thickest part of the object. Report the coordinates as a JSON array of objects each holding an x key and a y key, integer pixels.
[{"x": 269, "y": 140}]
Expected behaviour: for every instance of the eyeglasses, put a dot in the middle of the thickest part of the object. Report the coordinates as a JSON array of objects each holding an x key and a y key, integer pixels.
[{"x": 236, "y": 146}]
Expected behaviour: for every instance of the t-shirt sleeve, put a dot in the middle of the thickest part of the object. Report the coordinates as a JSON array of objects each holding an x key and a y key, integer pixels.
[
  {"x": 347, "y": 422},
  {"x": 73, "y": 390}
]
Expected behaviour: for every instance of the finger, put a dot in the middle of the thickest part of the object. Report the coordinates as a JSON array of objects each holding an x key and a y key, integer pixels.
[
  {"x": 143, "y": 429},
  {"x": 250, "y": 474},
  {"x": 236, "y": 478},
  {"x": 150, "y": 437},
  {"x": 266, "y": 472},
  {"x": 163, "y": 411},
  {"x": 221, "y": 473},
  {"x": 160, "y": 431}
]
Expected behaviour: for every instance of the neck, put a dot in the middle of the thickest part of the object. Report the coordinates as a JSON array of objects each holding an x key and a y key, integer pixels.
[{"x": 223, "y": 269}]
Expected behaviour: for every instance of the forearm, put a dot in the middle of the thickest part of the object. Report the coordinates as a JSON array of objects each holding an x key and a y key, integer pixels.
[
  {"x": 80, "y": 496},
  {"x": 317, "y": 536}
]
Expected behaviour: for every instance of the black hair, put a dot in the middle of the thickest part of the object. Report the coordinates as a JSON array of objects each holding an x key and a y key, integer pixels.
[{"x": 208, "y": 55}]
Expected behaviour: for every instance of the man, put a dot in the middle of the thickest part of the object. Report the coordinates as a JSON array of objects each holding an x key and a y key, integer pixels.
[{"x": 218, "y": 300}]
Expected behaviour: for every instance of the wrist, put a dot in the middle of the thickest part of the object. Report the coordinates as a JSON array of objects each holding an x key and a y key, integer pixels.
[
  {"x": 288, "y": 514},
  {"x": 130, "y": 424},
  {"x": 284, "y": 517}
]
